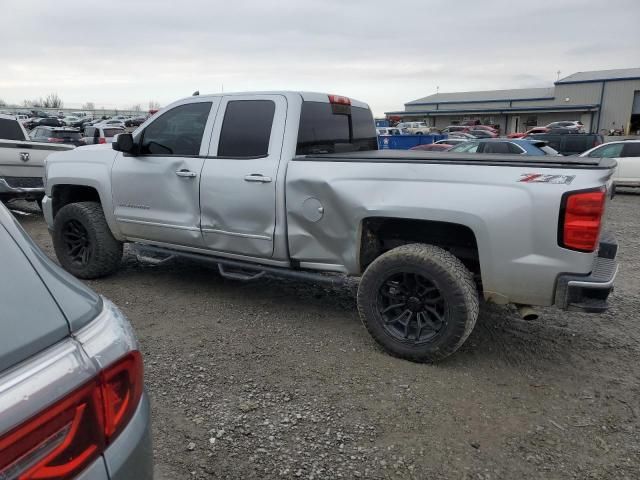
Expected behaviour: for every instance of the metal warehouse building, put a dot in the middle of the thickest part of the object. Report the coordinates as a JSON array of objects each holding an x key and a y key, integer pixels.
[{"x": 602, "y": 100}]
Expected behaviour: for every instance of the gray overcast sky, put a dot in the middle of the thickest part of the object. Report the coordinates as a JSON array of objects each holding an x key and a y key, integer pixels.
[{"x": 117, "y": 53}]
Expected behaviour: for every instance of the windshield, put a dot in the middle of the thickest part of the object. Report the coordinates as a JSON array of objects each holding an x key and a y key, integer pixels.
[{"x": 329, "y": 128}]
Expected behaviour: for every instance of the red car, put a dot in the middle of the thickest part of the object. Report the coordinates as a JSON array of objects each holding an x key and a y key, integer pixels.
[
  {"x": 488, "y": 128},
  {"x": 432, "y": 147},
  {"x": 528, "y": 132}
]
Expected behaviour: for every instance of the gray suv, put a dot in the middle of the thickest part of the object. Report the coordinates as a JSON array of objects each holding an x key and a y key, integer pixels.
[{"x": 72, "y": 400}]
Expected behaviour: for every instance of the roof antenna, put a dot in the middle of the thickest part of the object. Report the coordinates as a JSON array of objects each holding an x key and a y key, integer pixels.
[{"x": 196, "y": 93}]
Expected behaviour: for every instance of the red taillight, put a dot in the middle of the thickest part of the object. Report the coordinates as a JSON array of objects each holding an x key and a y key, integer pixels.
[
  {"x": 121, "y": 392},
  {"x": 62, "y": 440},
  {"x": 581, "y": 219},
  {"x": 59, "y": 442},
  {"x": 102, "y": 140},
  {"x": 339, "y": 100},
  {"x": 55, "y": 140}
]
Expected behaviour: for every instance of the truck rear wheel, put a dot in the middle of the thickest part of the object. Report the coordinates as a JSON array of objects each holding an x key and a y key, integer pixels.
[
  {"x": 83, "y": 242},
  {"x": 419, "y": 302}
]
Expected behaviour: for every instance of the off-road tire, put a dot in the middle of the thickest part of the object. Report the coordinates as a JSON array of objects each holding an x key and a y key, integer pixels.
[
  {"x": 454, "y": 282},
  {"x": 106, "y": 251}
]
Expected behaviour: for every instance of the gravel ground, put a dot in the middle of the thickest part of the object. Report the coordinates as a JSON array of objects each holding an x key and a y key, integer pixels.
[{"x": 276, "y": 379}]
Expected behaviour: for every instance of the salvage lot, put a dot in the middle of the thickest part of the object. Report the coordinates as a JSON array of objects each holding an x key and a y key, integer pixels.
[{"x": 279, "y": 379}]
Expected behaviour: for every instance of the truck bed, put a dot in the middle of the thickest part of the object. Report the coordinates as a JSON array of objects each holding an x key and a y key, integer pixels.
[{"x": 406, "y": 156}]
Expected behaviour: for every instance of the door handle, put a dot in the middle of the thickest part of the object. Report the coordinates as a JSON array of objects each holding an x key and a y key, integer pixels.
[
  {"x": 256, "y": 177},
  {"x": 186, "y": 173}
]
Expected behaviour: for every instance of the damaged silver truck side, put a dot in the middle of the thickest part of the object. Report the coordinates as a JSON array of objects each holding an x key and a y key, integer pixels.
[{"x": 292, "y": 184}]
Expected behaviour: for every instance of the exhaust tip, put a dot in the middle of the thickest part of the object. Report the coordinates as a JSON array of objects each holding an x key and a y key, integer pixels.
[{"x": 527, "y": 313}]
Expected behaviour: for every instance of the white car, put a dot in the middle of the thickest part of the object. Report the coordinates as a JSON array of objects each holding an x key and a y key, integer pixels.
[
  {"x": 22, "y": 118},
  {"x": 627, "y": 154},
  {"x": 389, "y": 131},
  {"x": 101, "y": 134},
  {"x": 570, "y": 124},
  {"x": 415, "y": 128},
  {"x": 112, "y": 122},
  {"x": 70, "y": 120}
]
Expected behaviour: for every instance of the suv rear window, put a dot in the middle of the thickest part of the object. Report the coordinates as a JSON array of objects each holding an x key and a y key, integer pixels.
[
  {"x": 10, "y": 130},
  {"x": 112, "y": 132},
  {"x": 65, "y": 134},
  {"x": 328, "y": 128}
]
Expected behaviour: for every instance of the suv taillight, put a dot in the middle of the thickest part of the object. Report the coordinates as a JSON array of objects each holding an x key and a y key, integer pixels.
[
  {"x": 102, "y": 140},
  {"x": 60, "y": 441},
  {"x": 581, "y": 219},
  {"x": 121, "y": 391}
]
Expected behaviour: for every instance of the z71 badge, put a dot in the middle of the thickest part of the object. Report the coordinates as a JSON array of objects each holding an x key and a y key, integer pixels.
[{"x": 542, "y": 178}]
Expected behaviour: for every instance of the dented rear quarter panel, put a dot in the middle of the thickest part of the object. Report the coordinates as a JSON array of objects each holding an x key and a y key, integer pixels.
[{"x": 515, "y": 224}]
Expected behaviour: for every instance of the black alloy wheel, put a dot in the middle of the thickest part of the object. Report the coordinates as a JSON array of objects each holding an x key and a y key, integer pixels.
[
  {"x": 77, "y": 242},
  {"x": 412, "y": 307}
]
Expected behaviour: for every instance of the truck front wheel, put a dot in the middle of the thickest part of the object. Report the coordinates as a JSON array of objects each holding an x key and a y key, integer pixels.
[
  {"x": 83, "y": 242},
  {"x": 419, "y": 302}
]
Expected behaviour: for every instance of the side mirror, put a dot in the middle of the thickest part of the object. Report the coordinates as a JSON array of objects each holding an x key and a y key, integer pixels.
[{"x": 124, "y": 143}]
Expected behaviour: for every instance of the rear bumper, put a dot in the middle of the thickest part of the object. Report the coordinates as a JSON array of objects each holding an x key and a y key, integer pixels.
[
  {"x": 589, "y": 293},
  {"x": 10, "y": 188}
]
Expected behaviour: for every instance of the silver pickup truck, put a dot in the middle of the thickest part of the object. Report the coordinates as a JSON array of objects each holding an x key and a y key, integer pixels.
[
  {"x": 292, "y": 184},
  {"x": 22, "y": 161}
]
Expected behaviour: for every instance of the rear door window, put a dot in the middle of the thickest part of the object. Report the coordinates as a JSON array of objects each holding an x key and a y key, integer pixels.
[
  {"x": 10, "y": 130},
  {"x": 329, "y": 128},
  {"x": 631, "y": 149},
  {"x": 496, "y": 147},
  {"x": 246, "y": 128}
]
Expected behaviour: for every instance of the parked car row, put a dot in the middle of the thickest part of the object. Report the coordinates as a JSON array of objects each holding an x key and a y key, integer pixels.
[
  {"x": 491, "y": 145},
  {"x": 78, "y": 121},
  {"x": 625, "y": 152}
]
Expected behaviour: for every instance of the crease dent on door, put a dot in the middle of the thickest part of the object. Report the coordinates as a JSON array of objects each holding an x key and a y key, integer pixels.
[{"x": 238, "y": 184}]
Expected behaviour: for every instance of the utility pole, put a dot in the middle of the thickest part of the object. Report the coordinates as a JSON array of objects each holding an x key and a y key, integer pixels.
[{"x": 558, "y": 73}]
